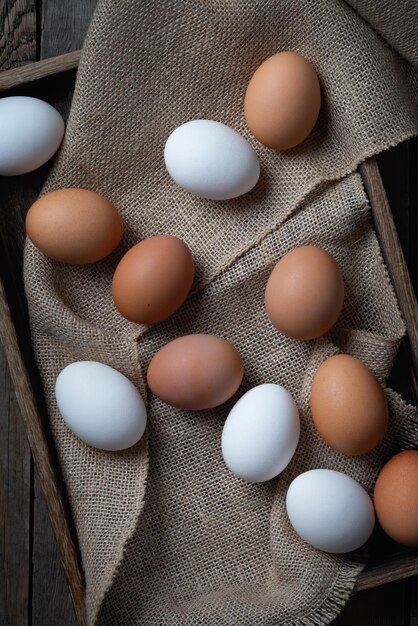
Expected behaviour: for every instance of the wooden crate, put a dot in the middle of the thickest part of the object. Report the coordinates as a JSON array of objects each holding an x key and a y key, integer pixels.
[{"x": 57, "y": 76}]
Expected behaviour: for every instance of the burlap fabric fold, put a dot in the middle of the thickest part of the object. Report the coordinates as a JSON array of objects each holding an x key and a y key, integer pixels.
[{"x": 168, "y": 536}]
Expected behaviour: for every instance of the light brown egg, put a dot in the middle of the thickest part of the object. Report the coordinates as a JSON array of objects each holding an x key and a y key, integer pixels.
[
  {"x": 195, "y": 372},
  {"x": 396, "y": 498},
  {"x": 74, "y": 226},
  {"x": 305, "y": 293},
  {"x": 348, "y": 405},
  {"x": 282, "y": 101},
  {"x": 153, "y": 279}
]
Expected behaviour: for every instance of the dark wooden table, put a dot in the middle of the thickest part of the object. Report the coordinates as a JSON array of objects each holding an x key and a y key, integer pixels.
[{"x": 33, "y": 589}]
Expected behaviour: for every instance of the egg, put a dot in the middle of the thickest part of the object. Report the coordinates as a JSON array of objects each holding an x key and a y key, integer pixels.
[
  {"x": 396, "y": 498},
  {"x": 282, "y": 101},
  {"x": 153, "y": 279},
  {"x": 261, "y": 433},
  {"x": 100, "y": 405},
  {"x": 305, "y": 293},
  {"x": 31, "y": 131},
  {"x": 195, "y": 372},
  {"x": 348, "y": 405},
  {"x": 74, "y": 226},
  {"x": 211, "y": 160},
  {"x": 330, "y": 510}
]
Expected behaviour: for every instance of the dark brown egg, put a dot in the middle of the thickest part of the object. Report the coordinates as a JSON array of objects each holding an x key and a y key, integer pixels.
[
  {"x": 195, "y": 372},
  {"x": 153, "y": 279}
]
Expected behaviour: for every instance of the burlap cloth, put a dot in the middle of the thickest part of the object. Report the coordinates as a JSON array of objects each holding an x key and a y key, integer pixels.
[{"x": 168, "y": 536}]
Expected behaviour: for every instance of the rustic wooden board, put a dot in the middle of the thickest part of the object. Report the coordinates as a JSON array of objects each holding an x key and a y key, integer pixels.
[
  {"x": 18, "y": 28},
  {"x": 21, "y": 76},
  {"x": 18, "y": 45},
  {"x": 32, "y": 586},
  {"x": 64, "y": 25},
  {"x": 51, "y": 601},
  {"x": 15, "y": 506}
]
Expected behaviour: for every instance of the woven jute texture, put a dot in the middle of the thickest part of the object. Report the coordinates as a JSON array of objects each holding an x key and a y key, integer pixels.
[{"x": 168, "y": 536}]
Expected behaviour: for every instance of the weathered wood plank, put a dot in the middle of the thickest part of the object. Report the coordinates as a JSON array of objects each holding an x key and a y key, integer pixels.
[
  {"x": 17, "y": 46},
  {"x": 15, "y": 492},
  {"x": 64, "y": 25},
  {"x": 51, "y": 600},
  {"x": 17, "y": 32},
  {"x": 37, "y": 433}
]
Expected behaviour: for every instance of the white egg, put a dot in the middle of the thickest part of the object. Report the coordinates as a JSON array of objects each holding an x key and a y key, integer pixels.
[
  {"x": 31, "y": 131},
  {"x": 211, "y": 160},
  {"x": 330, "y": 510},
  {"x": 100, "y": 405},
  {"x": 261, "y": 433}
]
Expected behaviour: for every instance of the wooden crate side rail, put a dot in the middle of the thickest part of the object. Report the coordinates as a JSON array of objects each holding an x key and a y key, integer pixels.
[
  {"x": 11, "y": 79},
  {"x": 41, "y": 457}
]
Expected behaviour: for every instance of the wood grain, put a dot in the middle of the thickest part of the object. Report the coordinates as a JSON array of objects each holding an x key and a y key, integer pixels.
[
  {"x": 15, "y": 505},
  {"x": 64, "y": 25},
  {"x": 17, "y": 46},
  {"x": 51, "y": 601},
  {"x": 18, "y": 32},
  {"x": 21, "y": 76},
  {"x": 36, "y": 433},
  {"x": 389, "y": 571}
]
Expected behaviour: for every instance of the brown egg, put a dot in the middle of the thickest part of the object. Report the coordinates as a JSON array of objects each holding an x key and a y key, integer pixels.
[
  {"x": 348, "y": 405},
  {"x": 282, "y": 101},
  {"x": 396, "y": 498},
  {"x": 195, "y": 372},
  {"x": 153, "y": 279},
  {"x": 305, "y": 293},
  {"x": 74, "y": 226}
]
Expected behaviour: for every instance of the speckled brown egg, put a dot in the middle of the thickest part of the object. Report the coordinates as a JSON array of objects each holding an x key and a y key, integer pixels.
[
  {"x": 348, "y": 405},
  {"x": 195, "y": 372},
  {"x": 282, "y": 101},
  {"x": 305, "y": 293},
  {"x": 74, "y": 226},
  {"x": 153, "y": 279},
  {"x": 396, "y": 498}
]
